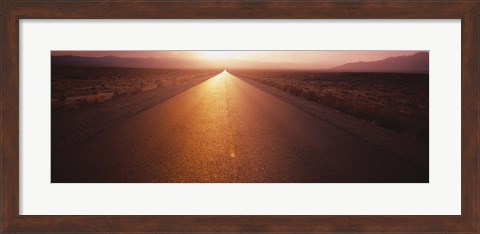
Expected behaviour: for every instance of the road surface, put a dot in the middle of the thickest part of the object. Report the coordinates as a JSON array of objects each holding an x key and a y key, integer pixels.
[{"x": 226, "y": 130}]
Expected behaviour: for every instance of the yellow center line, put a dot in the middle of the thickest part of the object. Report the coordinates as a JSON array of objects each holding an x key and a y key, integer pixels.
[{"x": 231, "y": 127}]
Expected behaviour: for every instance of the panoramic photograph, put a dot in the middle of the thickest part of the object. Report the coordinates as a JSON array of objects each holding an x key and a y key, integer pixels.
[{"x": 240, "y": 116}]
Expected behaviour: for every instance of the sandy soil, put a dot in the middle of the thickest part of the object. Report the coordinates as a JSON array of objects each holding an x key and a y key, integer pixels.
[
  {"x": 402, "y": 144},
  {"x": 397, "y": 101},
  {"x": 74, "y": 121},
  {"x": 225, "y": 130}
]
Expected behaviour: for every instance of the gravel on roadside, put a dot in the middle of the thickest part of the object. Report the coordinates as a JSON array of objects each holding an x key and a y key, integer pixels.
[{"x": 405, "y": 146}]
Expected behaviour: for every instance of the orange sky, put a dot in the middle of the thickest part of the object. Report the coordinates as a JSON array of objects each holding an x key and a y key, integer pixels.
[{"x": 252, "y": 59}]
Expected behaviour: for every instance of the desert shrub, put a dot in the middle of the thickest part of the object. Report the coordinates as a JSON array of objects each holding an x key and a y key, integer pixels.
[
  {"x": 364, "y": 111},
  {"x": 294, "y": 90},
  {"x": 326, "y": 98},
  {"x": 311, "y": 96},
  {"x": 417, "y": 125},
  {"x": 390, "y": 121},
  {"x": 78, "y": 86},
  {"x": 366, "y": 96},
  {"x": 89, "y": 99}
]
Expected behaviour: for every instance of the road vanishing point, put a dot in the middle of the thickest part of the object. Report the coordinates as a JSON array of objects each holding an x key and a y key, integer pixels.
[{"x": 227, "y": 130}]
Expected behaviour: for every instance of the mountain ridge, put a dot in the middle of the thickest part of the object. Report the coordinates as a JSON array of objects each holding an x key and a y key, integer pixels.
[{"x": 417, "y": 63}]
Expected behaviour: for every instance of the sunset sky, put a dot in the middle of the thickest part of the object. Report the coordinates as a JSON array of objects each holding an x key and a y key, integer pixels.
[{"x": 250, "y": 59}]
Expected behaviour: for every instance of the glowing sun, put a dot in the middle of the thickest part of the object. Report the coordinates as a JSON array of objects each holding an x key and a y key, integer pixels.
[{"x": 221, "y": 55}]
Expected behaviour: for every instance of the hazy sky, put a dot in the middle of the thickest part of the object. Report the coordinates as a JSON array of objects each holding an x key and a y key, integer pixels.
[{"x": 252, "y": 59}]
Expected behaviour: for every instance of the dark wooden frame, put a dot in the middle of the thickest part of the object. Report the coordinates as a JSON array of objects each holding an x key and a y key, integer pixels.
[{"x": 12, "y": 11}]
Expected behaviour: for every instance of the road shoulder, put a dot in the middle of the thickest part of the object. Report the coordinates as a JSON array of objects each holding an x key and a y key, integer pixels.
[{"x": 405, "y": 146}]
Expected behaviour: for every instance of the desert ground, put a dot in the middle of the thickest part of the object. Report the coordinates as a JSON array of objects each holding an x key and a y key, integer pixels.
[
  {"x": 88, "y": 100},
  {"x": 396, "y": 101},
  {"x": 74, "y": 86},
  {"x": 242, "y": 126}
]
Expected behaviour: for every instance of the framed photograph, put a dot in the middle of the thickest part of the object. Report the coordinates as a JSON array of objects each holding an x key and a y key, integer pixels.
[{"x": 234, "y": 116}]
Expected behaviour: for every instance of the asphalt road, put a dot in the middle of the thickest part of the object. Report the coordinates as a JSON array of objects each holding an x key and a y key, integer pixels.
[{"x": 226, "y": 130}]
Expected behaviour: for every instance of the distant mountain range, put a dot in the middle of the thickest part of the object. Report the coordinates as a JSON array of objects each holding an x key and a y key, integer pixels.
[
  {"x": 158, "y": 62},
  {"x": 415, "y": 63},
  {"x": 112, "y": 61}
]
